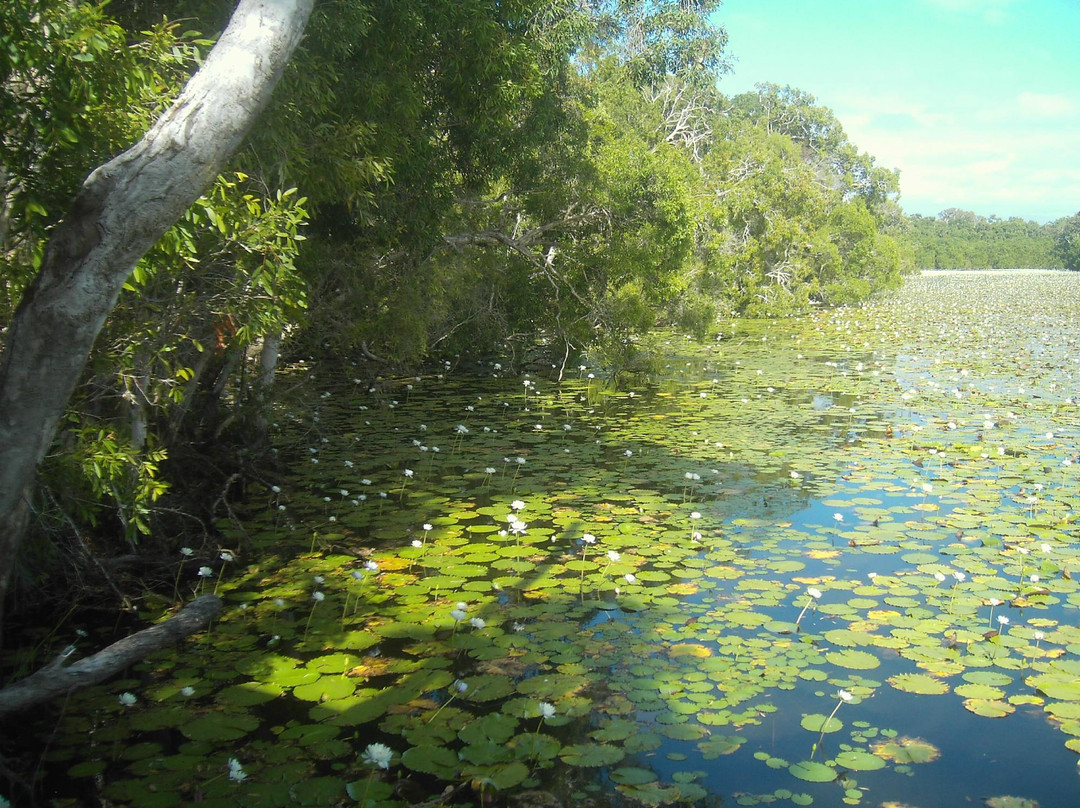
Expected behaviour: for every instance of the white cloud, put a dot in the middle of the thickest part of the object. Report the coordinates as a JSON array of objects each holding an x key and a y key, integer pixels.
[
  {"x": 1046, "y": 105},
  {"x": 992, "y": 164}
]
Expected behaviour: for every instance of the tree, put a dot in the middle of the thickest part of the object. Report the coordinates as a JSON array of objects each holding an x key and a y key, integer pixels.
[
  {"x": 1067, "y": 243},
  {"x": 960, "y": 239},
  {"x": 122, "y": 209}
]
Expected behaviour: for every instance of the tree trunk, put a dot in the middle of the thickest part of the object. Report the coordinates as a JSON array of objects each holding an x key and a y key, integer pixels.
[
  {"x": 124, "y": 207},
  {"x": 261, "y": 387},
  {"x": 56, "y": 679}
]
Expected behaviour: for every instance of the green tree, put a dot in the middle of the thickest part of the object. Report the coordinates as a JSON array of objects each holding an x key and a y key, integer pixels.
[
  {"x": 121, "y": 210},
  {"x": 1067, "y": 242}
]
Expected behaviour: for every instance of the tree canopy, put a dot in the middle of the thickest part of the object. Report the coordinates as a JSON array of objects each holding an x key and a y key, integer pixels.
[
  {"x": 960, "y": 239},
  {"x": 469, "y": 179}
]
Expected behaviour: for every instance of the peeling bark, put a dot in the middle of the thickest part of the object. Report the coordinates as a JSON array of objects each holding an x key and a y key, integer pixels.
[{"x": 123, "y": 207}]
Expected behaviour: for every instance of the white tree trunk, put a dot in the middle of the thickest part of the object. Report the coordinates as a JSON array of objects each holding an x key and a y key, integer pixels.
[{"x": 123, "y": 207}]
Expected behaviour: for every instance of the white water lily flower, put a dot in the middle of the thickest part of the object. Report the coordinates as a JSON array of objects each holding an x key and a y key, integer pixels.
[
  {"x": 477, "y": 622},
  {"x": 844, "y": 695},
  {"x": 127, "y": 699},
  {"x": 547, "y": 710},
  {"x": 236, "y": 771},
  {"x": 814, "y": 592},
  {"x": 318, "y": 596},
  {"x": 206, "y": 572},
  {"x": 377, "y": 754},
  {"x": 187, "y": 692}
]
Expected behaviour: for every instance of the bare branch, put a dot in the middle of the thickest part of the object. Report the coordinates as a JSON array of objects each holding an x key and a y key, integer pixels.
[{"x": 57, "y": 678}]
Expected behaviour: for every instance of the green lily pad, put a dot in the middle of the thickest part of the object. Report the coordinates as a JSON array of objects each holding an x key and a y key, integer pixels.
[
  {"x": 631, "y": 775},
  {"x": 821, "y": 723},
  {"x": 907, "y": 750},
  {"x": 719, "y": 745},
  {"x": 855, "y": 660},
  {"x": 220, "y": 727},
  {"x": 436, "y": 760},
  {"x": 812, "y": 771},
  {"x": 325, "y": 689},
  {"x": 918, "y": 683},
  {"x": 989, "y": 708},
  {"x": 1010, "y": 802},
  {"x": 590, "y": 754},
  {"x": 859, "y": 761},
  {"x": 247, "y": 694}
]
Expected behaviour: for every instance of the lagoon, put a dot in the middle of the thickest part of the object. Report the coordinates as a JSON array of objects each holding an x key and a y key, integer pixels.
[{"x": 817, "y": 561}]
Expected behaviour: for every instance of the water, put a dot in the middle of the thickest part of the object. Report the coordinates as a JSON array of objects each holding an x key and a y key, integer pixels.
[{"x": 912, "y": 462}]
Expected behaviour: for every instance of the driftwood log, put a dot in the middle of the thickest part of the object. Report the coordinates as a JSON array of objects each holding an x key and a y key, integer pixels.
[{"x": 58, "y": 678}]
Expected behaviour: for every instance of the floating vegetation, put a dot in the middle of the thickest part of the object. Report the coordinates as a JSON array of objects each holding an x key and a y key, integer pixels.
[{"x": 652, "y": 592}]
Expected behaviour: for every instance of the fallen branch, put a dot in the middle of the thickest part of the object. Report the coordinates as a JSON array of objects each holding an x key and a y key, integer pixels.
[{"x": 57, "y": 678}]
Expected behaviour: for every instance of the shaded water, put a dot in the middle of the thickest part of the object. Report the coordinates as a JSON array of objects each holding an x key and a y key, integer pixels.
[{"x": 687, "y": 568}]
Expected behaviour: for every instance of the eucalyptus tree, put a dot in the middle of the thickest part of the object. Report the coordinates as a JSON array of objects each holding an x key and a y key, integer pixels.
[
  {"x": 796, "y": 212},
  {"x": 795, "y": 113},
  {"x": 121, "y": 209}
]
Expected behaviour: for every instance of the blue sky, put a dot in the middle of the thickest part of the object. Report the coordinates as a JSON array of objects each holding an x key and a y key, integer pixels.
[{"x": 976, "y": 102}]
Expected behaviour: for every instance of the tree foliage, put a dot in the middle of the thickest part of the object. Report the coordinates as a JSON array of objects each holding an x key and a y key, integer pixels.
[
  {"x": 475, "y": 178},
  {"x": 960, "y": 239},
  {"x": 1067, "y": 241}
]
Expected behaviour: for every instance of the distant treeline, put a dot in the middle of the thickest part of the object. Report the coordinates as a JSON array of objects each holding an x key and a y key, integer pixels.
[{"x": 960, "y": 239}]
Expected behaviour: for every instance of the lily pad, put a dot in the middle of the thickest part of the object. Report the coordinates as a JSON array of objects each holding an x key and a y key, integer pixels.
[
  {"x": 812, "y": 771},
  {"x": 590, "y": 755}
]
